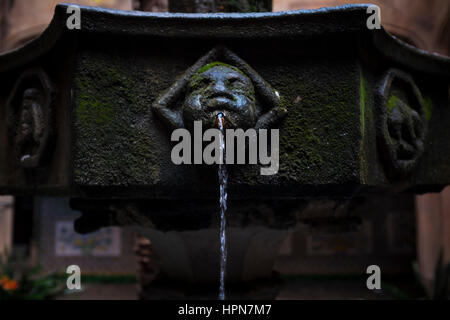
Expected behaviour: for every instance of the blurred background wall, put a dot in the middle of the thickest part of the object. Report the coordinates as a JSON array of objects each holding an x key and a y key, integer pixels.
[
  {"x": 422, "y": 23},
  {"x": 25, "y": 19}
]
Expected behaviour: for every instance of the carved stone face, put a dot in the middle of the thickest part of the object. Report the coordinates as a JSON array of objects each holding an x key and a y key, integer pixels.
[
  {"x": 406, "y": 131},
  {"x": 220, "y": 88},
  {"x": 25, "y": 130},
  {"x": 402, "y": 124},
  {"x": 30, "y": 127},
  {"x": 29, "y": 113},
  {"x": 220, "y": 82}
]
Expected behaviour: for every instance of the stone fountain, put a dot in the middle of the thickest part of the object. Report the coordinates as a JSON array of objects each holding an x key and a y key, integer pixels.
[{"x": 88, "y": 114}]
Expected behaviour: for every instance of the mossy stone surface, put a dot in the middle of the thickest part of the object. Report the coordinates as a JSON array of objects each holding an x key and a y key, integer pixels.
[
  {"x": 327, "y": 141},
  {"x": 120, "y": 142},
  {"x": 112, "y": 143}
]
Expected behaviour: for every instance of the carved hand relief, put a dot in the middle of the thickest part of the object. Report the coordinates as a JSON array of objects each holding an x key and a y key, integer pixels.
[
  {"x": 29, "y": 114},
  {"x": 402, "y": 123},
  {"x": 220, "y": 82}
]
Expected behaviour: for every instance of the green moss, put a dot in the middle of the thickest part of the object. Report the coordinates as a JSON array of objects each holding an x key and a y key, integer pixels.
[
  {"x": 112, "y": 145},
  {"x": 90, "y": 110},
  {"x": 428, "y": 105},
  {"x": 320, "y": 126},
  {"x": 393, "y": 102},
  {"x": 362, "y": 101},
  {"x": 215, "y": 64},
  {"x": 366, "y": 116}
]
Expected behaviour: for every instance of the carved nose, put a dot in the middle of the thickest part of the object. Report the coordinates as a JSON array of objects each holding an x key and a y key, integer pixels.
[{"x": 219, "y": 87}]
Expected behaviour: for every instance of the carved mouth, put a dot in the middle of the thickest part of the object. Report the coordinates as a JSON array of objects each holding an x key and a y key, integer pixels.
[
  {"x": 218, "y": 103},
  {"x": 229, "y": 121},
  {"x": 222, "y": 100}
]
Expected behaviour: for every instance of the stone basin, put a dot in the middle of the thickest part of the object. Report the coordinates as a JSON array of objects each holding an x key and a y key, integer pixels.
[{"x": 365, "y": 113}]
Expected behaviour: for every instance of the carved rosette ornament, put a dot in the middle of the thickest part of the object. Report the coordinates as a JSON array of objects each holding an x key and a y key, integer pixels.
[
  {"x": 29, "y": 110},
  {"x": 402, "y": 123},
  {"x": 220, "y": 82}
]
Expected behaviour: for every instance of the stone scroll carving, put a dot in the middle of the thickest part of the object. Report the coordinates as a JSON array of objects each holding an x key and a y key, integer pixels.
[
  {"x": 402, "y": 123},
  {"x": 220, "y": 82},
  {"x": 29, "y": 109}
]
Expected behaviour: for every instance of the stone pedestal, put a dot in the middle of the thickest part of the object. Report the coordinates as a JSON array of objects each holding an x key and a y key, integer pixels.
[{"x": 188, "y": 263}]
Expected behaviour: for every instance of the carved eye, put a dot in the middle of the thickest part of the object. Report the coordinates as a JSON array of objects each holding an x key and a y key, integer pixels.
[
  {"x": 204, "y": 82},
  {"x": 235, "y": 81},
  {"x": 199, "y": 84}
]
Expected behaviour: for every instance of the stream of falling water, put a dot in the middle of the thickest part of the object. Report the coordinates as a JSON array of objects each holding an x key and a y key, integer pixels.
[{"x": 223, "y": 179}]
